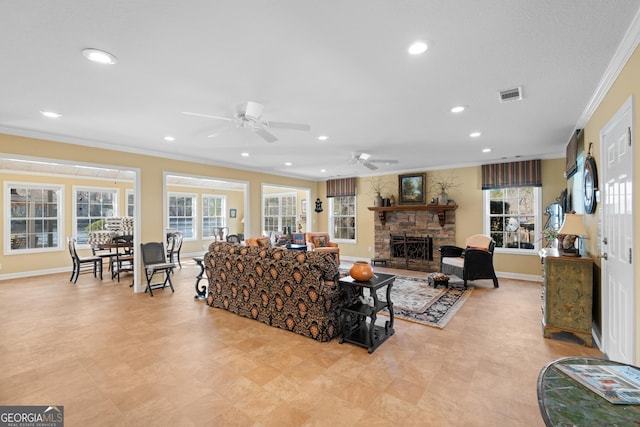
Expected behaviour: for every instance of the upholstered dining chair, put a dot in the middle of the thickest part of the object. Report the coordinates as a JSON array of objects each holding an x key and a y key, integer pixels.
[{"x": 82, "y": 263}]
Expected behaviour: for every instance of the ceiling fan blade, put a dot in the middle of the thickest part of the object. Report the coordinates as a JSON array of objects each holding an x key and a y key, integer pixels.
[
  {"x": 223, "y": 130},
  {"x": 285, "y": 125},
  {"x": 208, "y": 116},
  {"x": 370, "y": 166},
  {"x": 266, "y": 135},
  {"x": 389, "y": 162}
]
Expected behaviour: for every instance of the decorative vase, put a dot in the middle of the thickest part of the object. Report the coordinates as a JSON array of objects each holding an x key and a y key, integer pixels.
[
  {"x": 361, "y": 271},
  {"x": 377, "y": 201},
  {"x": 443, "y": 198},
  {"x": 392, "y": 200}
]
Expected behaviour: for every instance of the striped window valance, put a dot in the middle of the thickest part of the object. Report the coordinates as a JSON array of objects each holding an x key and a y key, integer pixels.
[
  {"x": 516, "y": 174},
  {"x": 341, "y": 187}
]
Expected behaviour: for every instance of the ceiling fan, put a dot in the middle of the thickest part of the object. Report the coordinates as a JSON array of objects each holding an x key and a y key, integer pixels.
[
  {"x": 365, "y": 160},
  {"x": 249, "y": 116}
]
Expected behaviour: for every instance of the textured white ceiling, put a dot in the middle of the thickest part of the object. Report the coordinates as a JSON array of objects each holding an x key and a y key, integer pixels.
[{"x": 340, "y": 66}]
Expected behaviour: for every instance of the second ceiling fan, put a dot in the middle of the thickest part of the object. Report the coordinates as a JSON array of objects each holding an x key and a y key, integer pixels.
[
  {"x": 365, "y": 160},
  {"x": 249, "y": 116}
]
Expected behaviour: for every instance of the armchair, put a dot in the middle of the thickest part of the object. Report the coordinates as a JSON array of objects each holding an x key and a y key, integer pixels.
[
  {"x": 471, "y": 263},
  {"x": 319, "y": 242}
]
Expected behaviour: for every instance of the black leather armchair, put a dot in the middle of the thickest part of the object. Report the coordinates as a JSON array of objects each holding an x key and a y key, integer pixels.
[{"x": 471, "y": 263}]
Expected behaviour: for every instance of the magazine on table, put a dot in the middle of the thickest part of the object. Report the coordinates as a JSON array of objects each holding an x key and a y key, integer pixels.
[{"x": 619, "y": 384}]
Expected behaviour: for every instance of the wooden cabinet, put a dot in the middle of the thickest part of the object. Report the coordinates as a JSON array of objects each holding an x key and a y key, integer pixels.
[{"x": 567, "y": 295}]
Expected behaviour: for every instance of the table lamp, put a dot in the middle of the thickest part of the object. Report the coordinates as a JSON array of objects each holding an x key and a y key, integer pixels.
[{"x": 572, "y": 229}]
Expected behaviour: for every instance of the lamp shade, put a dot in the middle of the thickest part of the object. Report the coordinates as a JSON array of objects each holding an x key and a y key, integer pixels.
[{"x": 572, "y": 226}]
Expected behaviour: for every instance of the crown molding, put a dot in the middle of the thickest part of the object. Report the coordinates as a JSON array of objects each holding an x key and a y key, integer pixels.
[{"x": 626, "y": 48}]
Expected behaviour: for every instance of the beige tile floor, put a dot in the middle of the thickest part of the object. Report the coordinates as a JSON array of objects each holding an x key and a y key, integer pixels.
[{"x": 114, "y": 358}]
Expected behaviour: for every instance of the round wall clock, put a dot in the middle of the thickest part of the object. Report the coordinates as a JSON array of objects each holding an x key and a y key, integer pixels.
[{"x": 590, "y": 177}]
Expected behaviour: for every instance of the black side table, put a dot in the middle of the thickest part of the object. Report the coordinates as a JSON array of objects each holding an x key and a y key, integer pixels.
[{"x": 355, "y": 328}]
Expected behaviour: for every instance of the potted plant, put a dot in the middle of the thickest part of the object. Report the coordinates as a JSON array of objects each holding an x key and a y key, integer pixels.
[
  {"x": 441, "y": 186},
  {"x": 551, "y": 236},
  {"x": 377, "y": 186}
]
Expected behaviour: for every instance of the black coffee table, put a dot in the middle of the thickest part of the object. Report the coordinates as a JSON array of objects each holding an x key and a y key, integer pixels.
[{"x": 296, "y": 247}]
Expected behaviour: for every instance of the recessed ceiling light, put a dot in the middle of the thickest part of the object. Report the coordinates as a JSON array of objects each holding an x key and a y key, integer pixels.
[
  {"x": 323, "y": 170},
  {"x": 458, "y": 109},
  {"x": 245, "y": 154},
  {"x": 99, "y": 56},
  {"x": 50, "y": 114},
  {"x": 418, "y": 47},
  {"x": 475, "y": 134},
  {"x": 323, "y": 137},
  {"x": 288, "y": 163},
  {"x": 486, "y": 150},
  {"x": 169, "y": 138}
]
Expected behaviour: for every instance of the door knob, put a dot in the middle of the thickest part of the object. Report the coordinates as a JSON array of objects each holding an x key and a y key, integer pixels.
[{"x": 605, "y": 255}]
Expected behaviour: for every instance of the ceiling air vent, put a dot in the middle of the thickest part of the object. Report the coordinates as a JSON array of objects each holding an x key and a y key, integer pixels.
[{"x": 510, "y": 94}]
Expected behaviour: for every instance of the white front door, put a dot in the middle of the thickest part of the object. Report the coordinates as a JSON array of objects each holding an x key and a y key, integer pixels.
[{"x": 618, "y": 296}]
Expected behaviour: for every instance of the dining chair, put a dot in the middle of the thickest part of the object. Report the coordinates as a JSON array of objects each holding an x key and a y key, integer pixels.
[
  {"x": 174, "y": 245},
  {"x": 154, "y": 261},
  {"x": 82, "y": 263},
  {"x": 123, "y": 260}
]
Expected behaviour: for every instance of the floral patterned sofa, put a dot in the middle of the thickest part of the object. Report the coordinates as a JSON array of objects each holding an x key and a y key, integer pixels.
[{"x": 293, "y": 290}]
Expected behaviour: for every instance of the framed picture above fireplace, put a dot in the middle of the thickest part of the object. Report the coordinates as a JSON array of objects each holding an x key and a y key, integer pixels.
[{"x": 411, "y": 189}]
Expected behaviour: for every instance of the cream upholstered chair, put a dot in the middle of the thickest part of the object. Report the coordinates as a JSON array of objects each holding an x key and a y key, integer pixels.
[
  {"x": 319, "y": 242},
  {"x": 473, "y": 262}
]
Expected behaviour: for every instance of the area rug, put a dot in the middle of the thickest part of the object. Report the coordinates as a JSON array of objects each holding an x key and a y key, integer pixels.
[{"x": 415, "y": 301}]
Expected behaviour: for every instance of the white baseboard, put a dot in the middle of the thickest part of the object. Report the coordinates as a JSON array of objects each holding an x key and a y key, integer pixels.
[{"x": 32, "y": 273}]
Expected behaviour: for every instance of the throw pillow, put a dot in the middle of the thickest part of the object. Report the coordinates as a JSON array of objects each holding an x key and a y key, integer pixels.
[
  {"x": 263, "y": 242},
  {"x": 320, "y": 242}
]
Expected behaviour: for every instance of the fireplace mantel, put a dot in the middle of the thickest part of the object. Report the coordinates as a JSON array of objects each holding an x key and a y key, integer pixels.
[{"x": 440, "y": 209}]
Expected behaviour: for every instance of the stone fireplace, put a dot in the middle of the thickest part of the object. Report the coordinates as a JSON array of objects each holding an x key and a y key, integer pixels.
[{"x": 408, "y": 237}]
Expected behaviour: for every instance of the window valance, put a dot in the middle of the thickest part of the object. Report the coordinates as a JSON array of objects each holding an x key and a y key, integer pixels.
[
  {"x": 527, "y": 173},
  {"x": 341, "y": 187}
]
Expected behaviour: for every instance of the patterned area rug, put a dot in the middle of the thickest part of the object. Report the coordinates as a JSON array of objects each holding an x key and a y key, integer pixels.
[{"x": 414, "y": 300}]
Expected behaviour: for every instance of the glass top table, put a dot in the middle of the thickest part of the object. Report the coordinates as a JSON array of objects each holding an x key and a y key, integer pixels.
[{"x": 565, "y": 402}]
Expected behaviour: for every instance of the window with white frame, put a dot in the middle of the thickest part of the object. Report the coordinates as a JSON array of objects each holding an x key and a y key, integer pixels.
[
  {"x": 130, "y": 203},
  {"x": 92, "y": 206},
  {"x": 33, "y": 215},
  {"x": 280, "y": 210},
  {"x": 512, "y": 218},
  {"x": 182, "y": 214},
  {"x": 213, "y": 209},
  {"x": 342, "y": 218}
]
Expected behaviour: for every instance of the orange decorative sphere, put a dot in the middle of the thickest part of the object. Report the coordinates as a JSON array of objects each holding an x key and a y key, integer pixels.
[{"x": 361, "y": 271}]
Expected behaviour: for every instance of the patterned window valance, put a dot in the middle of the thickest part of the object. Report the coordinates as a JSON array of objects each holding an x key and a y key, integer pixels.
[
  {"x": 527, "y": 173},
  {"x": 341, "y": 187}
]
